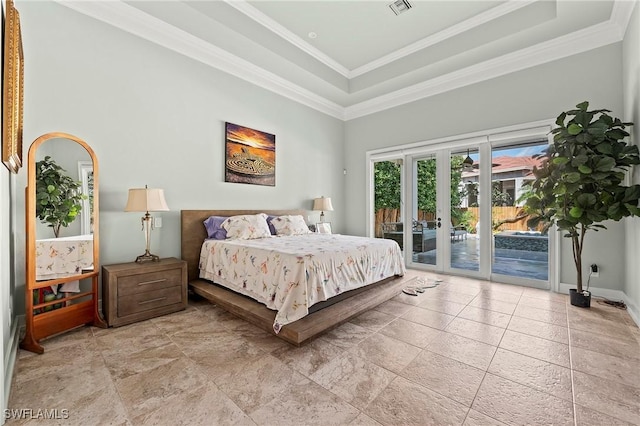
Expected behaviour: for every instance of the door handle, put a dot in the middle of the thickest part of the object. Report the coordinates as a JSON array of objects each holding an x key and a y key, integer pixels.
[{"x": 439, "y": 222}]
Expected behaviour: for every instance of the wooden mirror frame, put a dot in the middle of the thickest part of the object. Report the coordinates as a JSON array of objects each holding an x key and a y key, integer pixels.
[{"x": 69, "y": 315}]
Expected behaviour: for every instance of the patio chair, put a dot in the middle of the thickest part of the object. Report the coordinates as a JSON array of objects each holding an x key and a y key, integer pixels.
[{"x": 458, "y": 233}]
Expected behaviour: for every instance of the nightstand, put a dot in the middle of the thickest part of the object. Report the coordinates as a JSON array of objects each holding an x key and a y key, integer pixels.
[{"x": 138, "y": 291}]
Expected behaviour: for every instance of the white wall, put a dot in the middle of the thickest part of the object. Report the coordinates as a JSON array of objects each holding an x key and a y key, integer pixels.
[
  {"x": 155, "y": 117},
  {"x": 631, "y": 93},
  {"x": 538, "y": 93}
]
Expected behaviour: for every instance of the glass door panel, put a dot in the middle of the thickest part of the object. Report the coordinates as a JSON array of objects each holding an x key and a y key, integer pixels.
[
  {"x": 424, "y": 226},
  {"x": 465, "y": 210},
  {"x": 518, "y": 251},
  {"x": 387, "y": 180}
]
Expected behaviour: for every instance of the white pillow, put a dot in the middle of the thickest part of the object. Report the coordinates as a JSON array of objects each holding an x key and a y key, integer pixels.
[
  {"x": 247, "y": 227},
  {"x": 290, "y": 225}
]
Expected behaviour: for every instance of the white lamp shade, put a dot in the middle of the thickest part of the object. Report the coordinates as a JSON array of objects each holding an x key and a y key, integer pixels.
[
  {"x": 323, "y": 204},
  {"x": 146, "y": 200}
]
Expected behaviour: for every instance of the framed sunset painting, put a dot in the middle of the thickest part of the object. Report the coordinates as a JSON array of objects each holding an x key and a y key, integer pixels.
[{"x": 250, "y": 156}]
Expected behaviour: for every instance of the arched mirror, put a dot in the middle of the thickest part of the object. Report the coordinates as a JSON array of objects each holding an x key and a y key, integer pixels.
[{"x": 62, "y": 239}]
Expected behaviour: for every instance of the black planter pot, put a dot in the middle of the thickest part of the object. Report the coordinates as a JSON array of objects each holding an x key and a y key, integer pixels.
[{"x": 579, "y": 299}]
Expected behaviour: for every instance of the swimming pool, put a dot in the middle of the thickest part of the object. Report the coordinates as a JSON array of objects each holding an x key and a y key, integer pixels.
[{"x": 521, "y": 240}]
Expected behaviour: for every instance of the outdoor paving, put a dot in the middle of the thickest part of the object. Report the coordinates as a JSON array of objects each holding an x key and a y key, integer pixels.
[{"x": 465, "y": 254}]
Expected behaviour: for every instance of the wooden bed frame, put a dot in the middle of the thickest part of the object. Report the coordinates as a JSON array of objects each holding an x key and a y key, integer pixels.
[{"x": 342, "y": 309}]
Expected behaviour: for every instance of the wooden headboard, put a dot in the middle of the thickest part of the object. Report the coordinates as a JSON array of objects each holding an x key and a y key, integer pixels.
[{"x": 193, "y": 232}]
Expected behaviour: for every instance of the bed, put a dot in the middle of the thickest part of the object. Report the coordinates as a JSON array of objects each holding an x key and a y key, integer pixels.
[{"x": 296, "y": 318}]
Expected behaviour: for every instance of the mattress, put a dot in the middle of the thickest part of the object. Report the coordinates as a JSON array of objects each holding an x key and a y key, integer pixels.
[{"x": 289, "y": 274}]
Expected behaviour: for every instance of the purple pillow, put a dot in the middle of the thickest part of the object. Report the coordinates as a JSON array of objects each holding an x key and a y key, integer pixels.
[
  {"x": 214, "y": 230},
  {"x": 272, "y": 229}
]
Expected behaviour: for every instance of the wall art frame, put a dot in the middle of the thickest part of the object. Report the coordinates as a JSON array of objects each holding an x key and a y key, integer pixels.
[
  {"x": 12, "y": 90},
  {"x": 250, "y": 156}
]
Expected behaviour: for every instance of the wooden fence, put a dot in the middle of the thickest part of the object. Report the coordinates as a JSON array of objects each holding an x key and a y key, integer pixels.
[{"x": 505, "y": 216}]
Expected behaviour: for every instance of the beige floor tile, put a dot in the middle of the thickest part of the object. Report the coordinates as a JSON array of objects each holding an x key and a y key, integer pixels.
[
  {"x": 101, "y": 406},
  {"x": 346, "y": 335},
  {"x": 485, "y": 316},
  {"x": 597, "y": 311},
  {"x": 364, "y": 420},
  {"x": 503, "y": 288},
  {"x": 588, "y": 417},
  {"x": 216, "y": 361},
  {"x": 309, "y": 358},
  {"x": 373, "y": 320},
  {"x": 429, "y": 318},
  {"x": 386, "y": 352},
  {"x": 194, "y": 407},
  {"x": 493, "y": 305},
  {"x": 407, "y": 299},
  {"x": 604, "y": 344},
  {"x": 204, "y": 338},
  {"x": 547, "y": 305},
  {"x": 124, "y": 364},
  {"x": 354, "y": 379},
  {"x": 475, "y": 330},
  {"x": 393, "y": 307},
  {"x": 540, "y": 375},
  {"x": 536, "y": 293},
  {"x": 607, "y": 397},
  {"x": 551, "y": 317},
  {"x": 539, "y": 329},
  {"x": 452, "y": 296},
  {"x": 468, "y": 351},
  {"x": 179, "y": 321},
  {"x": 259, "y": 338},
  {"x": 500, "y": 296},
  {"x": 595, "y": 324},
  {"x": 466, "y": 286},
  {"x": 406, "y": 403},
  {"x": 253, "y": 384},
  {"x": 410, "y": 332},
  {"x": 546, "y": 350},
  {"x": 609, "y": 367},
  {"x": 475, "y": 418},
  {"x": 513, "y": 403},
  {"x": 64, "y": 360},
  {"x": 305, "y": 403},
  {"x": 69, "y": 338},
  {"x": 446, "y": 376},
  {"x": 145, "y": 392},
  {"x": 131, "y": 338},
  {"x": 444, "y": 306}
]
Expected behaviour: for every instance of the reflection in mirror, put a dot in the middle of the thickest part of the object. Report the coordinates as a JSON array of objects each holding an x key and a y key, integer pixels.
[
  {"x": 63, "y": 245},
  {"x": 62, "y": 226},
  {"x": 85, "y": 173}
]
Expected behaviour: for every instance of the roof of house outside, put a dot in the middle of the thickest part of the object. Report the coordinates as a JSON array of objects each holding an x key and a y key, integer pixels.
[{"x": 508, "y": 164}]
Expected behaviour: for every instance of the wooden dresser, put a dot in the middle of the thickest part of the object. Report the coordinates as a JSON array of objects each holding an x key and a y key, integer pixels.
[{"x": 139, "y": 291}]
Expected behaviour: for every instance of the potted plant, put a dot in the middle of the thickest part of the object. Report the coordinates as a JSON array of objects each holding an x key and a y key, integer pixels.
[
  {"x": 58, "y": 196},
  {"x": 579, "y": 184}
]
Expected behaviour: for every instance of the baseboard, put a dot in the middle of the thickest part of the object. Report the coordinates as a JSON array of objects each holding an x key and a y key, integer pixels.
[
  {"x": 633, "y": 310},
  {"x": 616, "y": 295},
  {"x": 10, "y": 356}
]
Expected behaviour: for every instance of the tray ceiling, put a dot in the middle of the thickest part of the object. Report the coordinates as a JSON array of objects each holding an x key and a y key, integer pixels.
[{"x": 352, "y": 58}]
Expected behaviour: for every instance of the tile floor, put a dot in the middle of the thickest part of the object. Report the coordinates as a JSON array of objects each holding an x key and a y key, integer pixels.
[{"x": 464, "y": 353}]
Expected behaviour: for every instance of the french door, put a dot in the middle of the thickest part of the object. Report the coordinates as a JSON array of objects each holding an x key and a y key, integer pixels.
[
  {"x": 456, "y": 207},
  {"x": 444, "y": 210}
]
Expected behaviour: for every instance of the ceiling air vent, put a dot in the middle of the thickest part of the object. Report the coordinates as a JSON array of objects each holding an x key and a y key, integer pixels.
[{"x": 400, "y": 6}]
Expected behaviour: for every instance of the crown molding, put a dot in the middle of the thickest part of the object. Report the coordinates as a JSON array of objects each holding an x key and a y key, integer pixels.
[
  {"x": 466, "y": 25},
  {"x": 580, "y": 41},
  {"x": 621, "y": 14},
  {"x": 141, "y": 24},
  {"x": 134, "y": 21},
  {"x": 272, "y": 25}
]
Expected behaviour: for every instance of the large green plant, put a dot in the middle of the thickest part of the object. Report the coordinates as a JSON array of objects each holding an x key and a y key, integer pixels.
[
  {"x": 580, "y": 182},
  {"x": 58, "y": 196}
]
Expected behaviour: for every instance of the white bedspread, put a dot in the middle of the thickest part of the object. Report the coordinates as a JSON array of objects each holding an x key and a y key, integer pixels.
[{"x": 291, "y": 273}]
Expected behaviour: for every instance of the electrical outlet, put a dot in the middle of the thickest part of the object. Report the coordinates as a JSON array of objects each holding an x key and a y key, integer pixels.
[
  {"x": 157, "y": 222},
  {"x": 595, "y": 271}
]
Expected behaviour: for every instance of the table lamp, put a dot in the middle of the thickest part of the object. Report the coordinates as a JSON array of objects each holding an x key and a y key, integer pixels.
[
  {"x": 322, "y": 204},
  {"x": 146, "y": 200}
]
